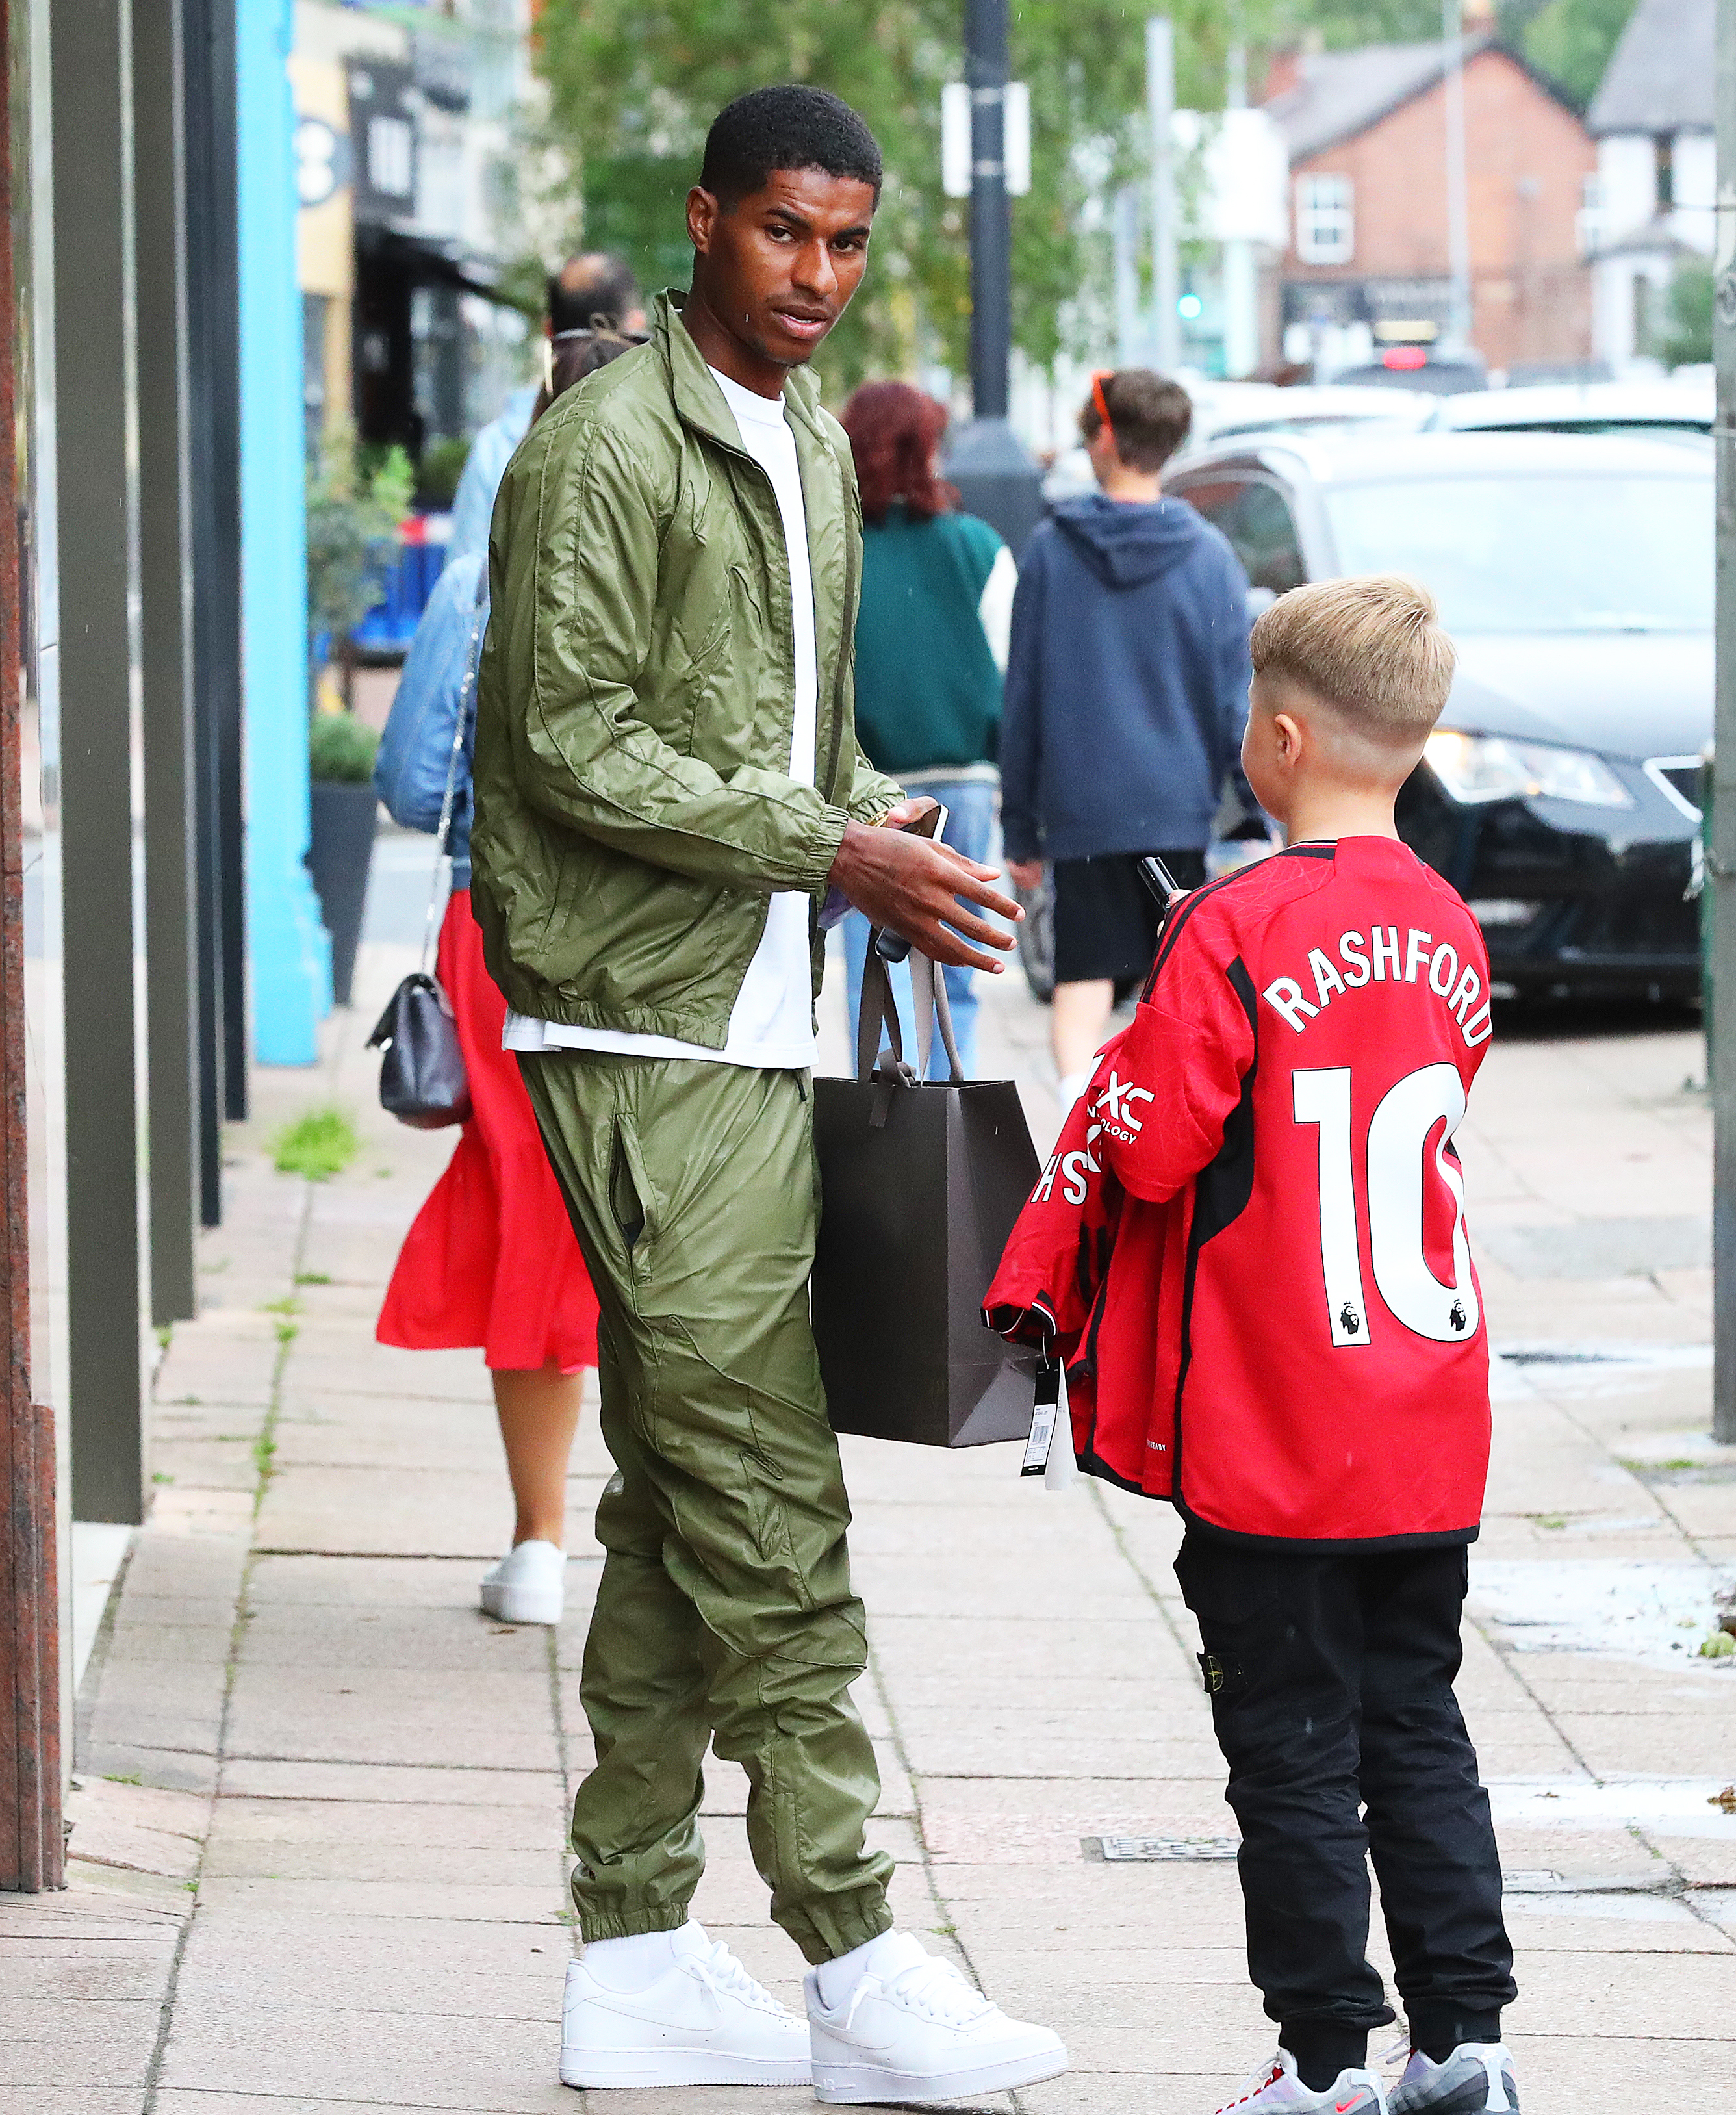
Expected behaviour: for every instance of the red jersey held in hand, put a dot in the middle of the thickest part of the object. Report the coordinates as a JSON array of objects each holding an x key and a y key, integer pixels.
[{"x": 1314, "y": 1365}]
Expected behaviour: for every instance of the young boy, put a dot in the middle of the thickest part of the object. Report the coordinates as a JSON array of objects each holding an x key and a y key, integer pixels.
[{"x": 1288, "y": 1092}]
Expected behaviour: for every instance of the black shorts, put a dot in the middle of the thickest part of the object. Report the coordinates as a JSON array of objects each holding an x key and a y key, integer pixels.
[{"x": 1106, "y": 918}]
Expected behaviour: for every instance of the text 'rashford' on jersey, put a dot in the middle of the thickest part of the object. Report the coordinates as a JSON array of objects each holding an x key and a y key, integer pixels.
[{"x": 1298, "y": 1065}]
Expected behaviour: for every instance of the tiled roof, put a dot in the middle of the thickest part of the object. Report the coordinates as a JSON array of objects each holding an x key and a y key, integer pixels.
[
  {"x": 1659, "y": 78},
  {"x": 1342, "y": 94}
]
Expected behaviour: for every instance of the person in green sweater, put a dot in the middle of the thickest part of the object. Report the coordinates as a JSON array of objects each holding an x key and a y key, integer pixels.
[{"x": 931, "y": 649}]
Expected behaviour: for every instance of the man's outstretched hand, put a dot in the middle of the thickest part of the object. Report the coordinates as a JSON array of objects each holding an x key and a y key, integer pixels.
[{"x": 911, "y": 885}]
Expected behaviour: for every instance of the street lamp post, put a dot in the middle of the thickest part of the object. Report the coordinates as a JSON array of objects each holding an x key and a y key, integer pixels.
[
  {"x": 1721, "y": 863},
  {"x": 996, "y": 478},
  {"x": 1159, "y": 103},
  {"x": 990, "y": 210},
  {"x": 1457, "y": 177}
]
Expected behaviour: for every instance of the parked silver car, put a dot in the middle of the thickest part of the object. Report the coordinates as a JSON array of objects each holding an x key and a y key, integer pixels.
[{"x": 1656, "y": 409}]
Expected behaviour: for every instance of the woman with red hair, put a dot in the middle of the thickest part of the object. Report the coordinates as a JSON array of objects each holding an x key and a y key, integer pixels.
[{"x": 930, "y": 647}]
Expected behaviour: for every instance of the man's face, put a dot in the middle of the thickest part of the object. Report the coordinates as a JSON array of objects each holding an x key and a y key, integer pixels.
[{"x": 778, "y": 268}]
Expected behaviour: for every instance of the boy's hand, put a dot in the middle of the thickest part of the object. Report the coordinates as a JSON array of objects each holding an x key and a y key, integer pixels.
[
  {"x": 910, "y": 885},
  {"x": 1025, "y": 874}
]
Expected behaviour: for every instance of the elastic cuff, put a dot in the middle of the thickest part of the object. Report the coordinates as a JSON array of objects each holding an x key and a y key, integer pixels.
[
  {"x": 1324, "y": 2048},
  {"x": 632, "y": 1923},
  {"x": 823, "y": 850},
  {"x": 828, "y": 1931},
  {"x": 1438, "y": 2026}
]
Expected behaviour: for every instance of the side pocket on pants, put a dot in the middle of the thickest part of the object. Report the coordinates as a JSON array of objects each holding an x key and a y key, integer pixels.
[{"x": 631, "y": 1199}]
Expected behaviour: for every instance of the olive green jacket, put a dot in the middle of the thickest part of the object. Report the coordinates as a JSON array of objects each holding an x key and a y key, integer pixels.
[{"x": 634, "y": 811}]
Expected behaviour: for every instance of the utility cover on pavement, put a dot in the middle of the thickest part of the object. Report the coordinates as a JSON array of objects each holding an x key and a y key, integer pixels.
[{"x": 1152, "y": 1850}]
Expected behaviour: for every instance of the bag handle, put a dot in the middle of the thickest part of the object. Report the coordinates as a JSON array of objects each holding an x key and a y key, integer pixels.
[
  {"x": 443, "y": 830},
  {"x": 879, "y": 1011},
  {"x": 928, "y": 986}
]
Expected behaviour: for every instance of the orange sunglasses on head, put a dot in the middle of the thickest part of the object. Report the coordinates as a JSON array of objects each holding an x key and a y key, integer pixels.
[{"x": 1102, "y": 375}]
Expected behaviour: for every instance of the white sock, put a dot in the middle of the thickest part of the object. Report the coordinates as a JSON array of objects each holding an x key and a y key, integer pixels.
[
  {"x": 1072, "y": 1085},
  {"x": 625, "y": 1965},
  {"x": 838, "y": 1978}
]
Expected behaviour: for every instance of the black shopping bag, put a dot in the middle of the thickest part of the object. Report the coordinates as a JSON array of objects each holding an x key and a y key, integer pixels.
[{"x": 920, "y": 1183}]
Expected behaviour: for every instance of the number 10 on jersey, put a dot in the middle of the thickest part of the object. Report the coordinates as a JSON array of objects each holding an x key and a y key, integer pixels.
[{"x": 1398, "y": 1163}]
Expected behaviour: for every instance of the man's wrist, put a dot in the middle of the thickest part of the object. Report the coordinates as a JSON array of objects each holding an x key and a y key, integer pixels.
[{"x": 827, "y": 837}]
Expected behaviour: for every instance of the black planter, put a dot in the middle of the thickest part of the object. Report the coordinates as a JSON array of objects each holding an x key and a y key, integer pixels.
[{"x": 338, "y": 858}]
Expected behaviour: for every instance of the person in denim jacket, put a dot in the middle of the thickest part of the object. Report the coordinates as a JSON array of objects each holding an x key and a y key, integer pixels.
[{"x": 490, "y": 1258}]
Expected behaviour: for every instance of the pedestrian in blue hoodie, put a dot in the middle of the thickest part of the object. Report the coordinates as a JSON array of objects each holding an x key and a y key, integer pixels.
[{"x": 1126, "y": 692}]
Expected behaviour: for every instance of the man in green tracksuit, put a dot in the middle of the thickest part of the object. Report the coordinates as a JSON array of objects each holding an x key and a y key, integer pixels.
[{"x": 666, "y": 783}]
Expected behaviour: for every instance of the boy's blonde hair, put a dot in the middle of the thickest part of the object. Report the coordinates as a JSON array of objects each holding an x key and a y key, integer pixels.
[{"x": 1371, "y": 648}]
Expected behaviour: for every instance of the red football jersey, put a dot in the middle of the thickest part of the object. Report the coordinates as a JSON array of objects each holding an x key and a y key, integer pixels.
[{"x": 1292, "y": 1080}]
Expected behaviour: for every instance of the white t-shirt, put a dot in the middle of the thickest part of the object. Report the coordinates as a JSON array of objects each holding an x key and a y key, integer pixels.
[{"x": 771, "y": 1022}]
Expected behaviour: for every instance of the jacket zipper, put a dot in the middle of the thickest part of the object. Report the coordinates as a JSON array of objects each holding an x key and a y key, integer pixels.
[{"x": 846, "y": 632}]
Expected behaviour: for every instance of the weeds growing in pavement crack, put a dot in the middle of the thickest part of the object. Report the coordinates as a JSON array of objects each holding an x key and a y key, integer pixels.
[{"x": 265, "y": 1447}]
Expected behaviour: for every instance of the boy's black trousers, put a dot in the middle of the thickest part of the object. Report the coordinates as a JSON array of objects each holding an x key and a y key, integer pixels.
[{"x": 1331, "y": 1686}]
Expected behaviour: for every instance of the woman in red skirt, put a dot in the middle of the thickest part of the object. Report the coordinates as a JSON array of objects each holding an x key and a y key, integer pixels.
[{"x": 490, "y": 1258}]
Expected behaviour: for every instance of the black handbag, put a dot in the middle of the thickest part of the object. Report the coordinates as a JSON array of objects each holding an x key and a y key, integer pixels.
[
  {"x": 920, "y": 1182},
  {"x": 422, "y": 1080}
]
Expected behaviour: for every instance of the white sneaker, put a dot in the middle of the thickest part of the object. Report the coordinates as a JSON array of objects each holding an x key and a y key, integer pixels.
[
  {"x": 528, "y": 1585},
  {"x": 704, "y": 2021},
  {"x": 1477, "y": 2076},
  {"x": 1278, "y": 2086},
  {"x": 913, "y": 2029}
]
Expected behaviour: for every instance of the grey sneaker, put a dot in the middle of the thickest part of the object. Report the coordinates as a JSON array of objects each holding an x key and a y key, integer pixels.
[{"x": 1477, "y": 2076}]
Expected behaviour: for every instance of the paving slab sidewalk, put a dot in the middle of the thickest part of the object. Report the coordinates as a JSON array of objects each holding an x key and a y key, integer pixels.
[{"x": 317, "y": 1856}]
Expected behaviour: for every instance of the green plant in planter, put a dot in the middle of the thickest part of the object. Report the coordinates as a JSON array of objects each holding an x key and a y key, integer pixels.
[
  {"x": 354, "y": 512},
  {"x": 340, "y": 749},
  {"x": 436, "y": 477}
]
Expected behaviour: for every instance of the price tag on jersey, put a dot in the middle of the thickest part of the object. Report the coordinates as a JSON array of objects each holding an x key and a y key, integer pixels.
[{"x": 1043, "y": 1414}]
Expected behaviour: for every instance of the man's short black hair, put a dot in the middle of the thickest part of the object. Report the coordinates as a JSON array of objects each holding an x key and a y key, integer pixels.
[
  {"x": 593, "y": 292},
  {"x": 786, "y": 127}
]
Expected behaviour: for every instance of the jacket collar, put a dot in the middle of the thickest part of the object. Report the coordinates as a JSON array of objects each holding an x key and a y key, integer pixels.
[{"x": 698, "y": 399}]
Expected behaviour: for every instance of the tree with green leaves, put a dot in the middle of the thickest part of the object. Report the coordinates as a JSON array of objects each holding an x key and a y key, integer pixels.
[
  {"x": 1570, "y": 41},
  {"x": 1685, "y": 337},
  {"x": 634, "y": 83},
  {"x": 633, "y": 88}
]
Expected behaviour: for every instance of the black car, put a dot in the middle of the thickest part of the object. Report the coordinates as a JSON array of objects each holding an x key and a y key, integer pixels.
[{"x": 1559, "y": 793}]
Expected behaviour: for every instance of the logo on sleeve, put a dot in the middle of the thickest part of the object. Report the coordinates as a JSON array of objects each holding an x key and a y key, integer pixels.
[{"x": 1114, "y": 1108}]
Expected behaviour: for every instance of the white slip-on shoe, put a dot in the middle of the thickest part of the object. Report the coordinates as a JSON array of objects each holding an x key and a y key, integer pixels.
[
  {"x": 704, "y": 2021},
  {"x": 528, "y": 1585},
  {"x": 1477, "y": 2076},
  {"x": 1277, "y": 2090},
  {"x": 913, "y": 2029}
]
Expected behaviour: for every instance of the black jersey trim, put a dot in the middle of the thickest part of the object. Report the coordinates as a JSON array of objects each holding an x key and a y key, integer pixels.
[
  {"x": 1221, "y": 1190},
  {"x": 1093, "y": 1465},
  {"x": 1306, "y": 1545},
  {"x": 1174, "y": 920}
]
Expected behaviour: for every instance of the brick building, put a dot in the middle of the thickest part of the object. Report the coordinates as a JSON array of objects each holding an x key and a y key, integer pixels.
[{"x": 1366, "y": 132}]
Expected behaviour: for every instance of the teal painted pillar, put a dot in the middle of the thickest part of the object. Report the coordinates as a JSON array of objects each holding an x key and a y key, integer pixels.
[{"x": 289, "y": 954}]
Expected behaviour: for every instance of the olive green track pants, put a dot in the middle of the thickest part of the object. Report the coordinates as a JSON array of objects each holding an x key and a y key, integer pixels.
[{"x": 725, "y": 1610}]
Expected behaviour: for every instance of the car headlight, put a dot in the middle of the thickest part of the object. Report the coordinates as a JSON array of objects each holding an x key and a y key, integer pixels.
[{"x": 1485, "y": 767}]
